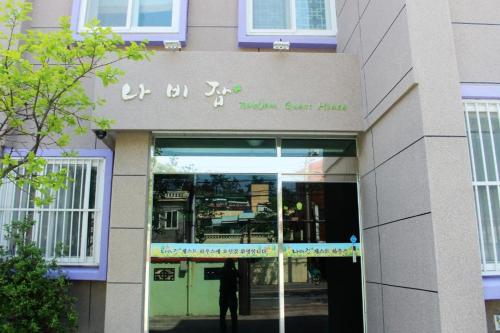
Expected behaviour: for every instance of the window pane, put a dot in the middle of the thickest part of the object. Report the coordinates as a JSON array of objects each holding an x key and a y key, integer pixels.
[
  {"x": 215, "y": 147},
  {"x": 93, "y": 184},
  {"x": 488, "y": 147},
  {"x": 476, "y": 146},
  {"x": 318, "y": 148},
  {"x": 155, "y": 13},
  {"x": 236, "y": 208},
  {"x": 495, "y": 125},
  {"x": 313, "y": 14},
  {"x": 111, "y": 13},
  {"x": 79, "y": 183},
  {"x": 486, "y": 225},
  {"x": 212, "y": 208},
  {"x": 271, "y": 14},
  {"x": 495, "y": 211}
]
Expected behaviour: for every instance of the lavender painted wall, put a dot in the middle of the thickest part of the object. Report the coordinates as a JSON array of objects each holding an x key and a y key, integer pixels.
[
  {"x": 481, "y": 91},
  {"x": 244, "y": 40},
  {"x": 153, "y": 39}
]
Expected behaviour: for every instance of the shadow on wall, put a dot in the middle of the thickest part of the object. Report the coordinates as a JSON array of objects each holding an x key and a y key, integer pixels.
[{"x": 298, "y": 324}]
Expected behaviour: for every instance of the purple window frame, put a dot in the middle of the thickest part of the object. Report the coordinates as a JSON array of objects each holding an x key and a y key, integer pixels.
[
  {"x": 90, "y": 273},
  {"x": 491, "y": 283},
  {"x": 266, "y": 41},
  {"x": 153, "y": 38}
]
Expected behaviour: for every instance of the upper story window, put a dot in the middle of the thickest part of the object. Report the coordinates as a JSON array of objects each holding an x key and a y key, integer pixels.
[
  {"x": 136, "y": 20},
  {"x": 134, "y": 15},
  {"x": 291, "y": 17},
  {"x": 303, "y": 23}
]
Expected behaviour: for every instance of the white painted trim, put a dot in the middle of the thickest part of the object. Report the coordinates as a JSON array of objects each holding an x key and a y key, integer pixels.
[{"x": 478, "y": 107}]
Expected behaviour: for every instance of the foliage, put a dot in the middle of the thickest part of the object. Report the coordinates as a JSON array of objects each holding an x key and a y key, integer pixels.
[
  {"x": 34, "y": 292},
  {"x": 43, "y": 101}
]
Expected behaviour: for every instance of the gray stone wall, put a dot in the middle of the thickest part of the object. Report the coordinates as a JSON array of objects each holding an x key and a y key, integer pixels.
[
  {"x": 90, "y": 305},
  {"x": 476, "y": 28},
  {"x": 421, "y": 251},
  {"x": 127, "y": 236},
  {"x": 45, "y": 17},
  {"x": 422, "y": 258}
]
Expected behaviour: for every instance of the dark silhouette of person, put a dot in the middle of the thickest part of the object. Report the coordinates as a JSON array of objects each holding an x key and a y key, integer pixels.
[{"x": 227, "y": 295}]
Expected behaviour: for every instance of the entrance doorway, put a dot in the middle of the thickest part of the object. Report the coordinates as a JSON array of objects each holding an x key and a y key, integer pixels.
[{"x": 292, "y": 236}]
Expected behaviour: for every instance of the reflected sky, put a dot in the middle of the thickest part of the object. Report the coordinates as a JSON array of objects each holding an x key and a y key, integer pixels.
[{"x": 285, "y": 165}]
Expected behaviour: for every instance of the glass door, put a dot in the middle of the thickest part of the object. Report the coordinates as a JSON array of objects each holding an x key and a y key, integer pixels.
[
  {"x": 213, "y": 265},
  {"x": 254, "y": 235},
  {"x": 322, "y": 273}
]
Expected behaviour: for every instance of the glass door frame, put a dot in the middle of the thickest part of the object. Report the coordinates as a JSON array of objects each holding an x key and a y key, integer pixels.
[{"x": 280, "y": 166}]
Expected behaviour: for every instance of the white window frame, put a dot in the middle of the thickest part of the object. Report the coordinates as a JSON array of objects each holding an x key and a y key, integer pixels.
[
  {"x": 7, "y": 209},
  {"x": 293, "y": 31},
  {"x": 131, "y": 28},
  {"x": 490, "y": 107},
  {"x": 166, "y": 220}
]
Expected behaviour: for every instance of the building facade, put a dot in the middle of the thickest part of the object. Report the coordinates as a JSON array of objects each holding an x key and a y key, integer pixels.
[{"x": 353, "y": 179}]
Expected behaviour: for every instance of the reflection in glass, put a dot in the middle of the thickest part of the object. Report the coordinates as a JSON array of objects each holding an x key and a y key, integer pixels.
[
  {"x": 306, "y": 295},
  {"x": 313, "y": 14},
  {"x": 236, "y": 209},
  {"x": 172, "y": 212},
  {"x": 487, "y": 146},
  {"x": 110, "y": 13},
  {"x": 185, "y": 295},
  {"x": 214, "y": 208},
  {"x": 322, "y": 294},
  {"x": 155, "y": 13},
  {"x": 318, "y": 148},
  {"x": 303, "y": 212},
  {"x": 215, "y": 147},
  {"x": 475, "y": 136},
  {"x": 271, "y": 14}
]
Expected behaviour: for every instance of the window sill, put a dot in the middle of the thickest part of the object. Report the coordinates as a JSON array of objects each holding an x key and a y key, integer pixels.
[
  {"x": 302, "y": 42},
  {"x": 85, "y": 273},
  {"x": 491, "y": 287}
]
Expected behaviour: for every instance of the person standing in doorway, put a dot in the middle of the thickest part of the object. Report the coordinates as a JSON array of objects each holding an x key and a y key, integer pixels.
[{"x": 227, "y": 295}]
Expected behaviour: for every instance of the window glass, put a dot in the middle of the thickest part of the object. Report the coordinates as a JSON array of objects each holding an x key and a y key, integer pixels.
[
  {"x": 318, "y": 148},
  {"x": 483, "y": 128},
  {"x": 474, "y": 136},
  {"x": 292, "y": 15},
  {"x": 271, "y": 14},
  {"x": 212, "y": 208},
  {"x": 155, "y": 13},
  {"x": 486, "y": 224},
  {"x": 313, "y": 14},
  {"x": 215, "y": 147},
  {"x": 69, "y": 220},
  {"x": 495, "y": 125},
  {"x": 487, "y": 146},
  {"x": 111, "y": 13}
]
